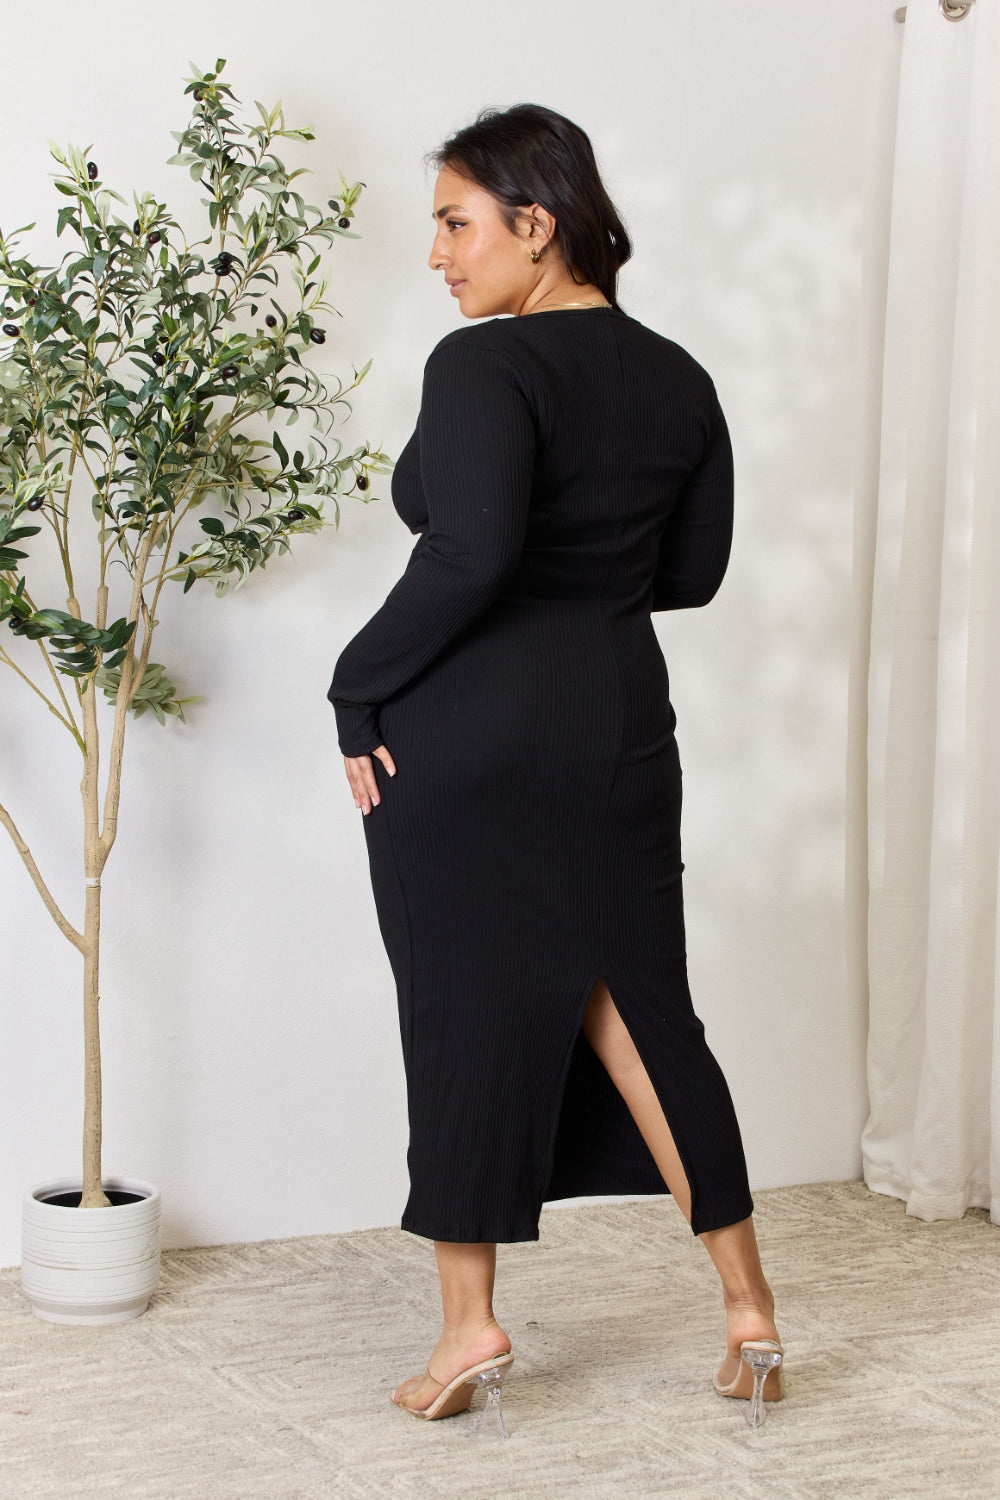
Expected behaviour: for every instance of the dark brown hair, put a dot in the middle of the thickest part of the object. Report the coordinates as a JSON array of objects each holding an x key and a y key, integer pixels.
[{"x": 529, "y": 154}]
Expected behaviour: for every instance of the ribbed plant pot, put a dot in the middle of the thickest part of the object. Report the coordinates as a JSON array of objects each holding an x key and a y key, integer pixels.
[{"x": 90, "y": 1265}]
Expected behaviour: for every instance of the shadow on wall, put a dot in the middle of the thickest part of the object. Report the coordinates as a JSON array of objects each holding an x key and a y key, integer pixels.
[
  {"x": 764, "y": 289},
  {"x": 768, "y": 290}
]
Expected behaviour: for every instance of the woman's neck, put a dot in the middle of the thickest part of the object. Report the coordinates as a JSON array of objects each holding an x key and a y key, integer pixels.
[{"x": 564, "y": 293}]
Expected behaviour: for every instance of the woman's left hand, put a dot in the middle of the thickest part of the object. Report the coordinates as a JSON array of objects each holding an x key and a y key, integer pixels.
[{"x": 361, "y": 776}]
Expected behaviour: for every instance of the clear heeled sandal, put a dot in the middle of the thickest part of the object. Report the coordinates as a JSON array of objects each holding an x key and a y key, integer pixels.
[
  {"x": 456, "y": 1396},
  {"x": 760, "y": 1378}
]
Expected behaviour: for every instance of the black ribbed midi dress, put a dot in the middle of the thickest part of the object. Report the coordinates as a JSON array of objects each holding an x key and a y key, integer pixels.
[{"x": 570, "y": 472}]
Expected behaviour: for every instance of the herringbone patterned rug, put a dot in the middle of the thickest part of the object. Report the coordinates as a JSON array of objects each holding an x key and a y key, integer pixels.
[{"x": 262, "y": 1372}]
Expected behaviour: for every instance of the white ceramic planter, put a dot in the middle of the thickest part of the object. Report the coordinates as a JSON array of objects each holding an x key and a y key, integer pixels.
[{"x": 90, "y": 1265}]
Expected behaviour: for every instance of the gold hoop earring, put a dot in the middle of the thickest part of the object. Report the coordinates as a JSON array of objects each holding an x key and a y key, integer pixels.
[{"x": 535, "y": 256}]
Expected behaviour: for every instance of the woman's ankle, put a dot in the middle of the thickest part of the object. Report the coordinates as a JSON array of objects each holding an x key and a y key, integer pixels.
[
  {"x": 749, "y": 1318},
  {"x": 471, "y": 1330},
  {"x": 749, "y": 1298},
  {"x": 466, "y": 1344}
]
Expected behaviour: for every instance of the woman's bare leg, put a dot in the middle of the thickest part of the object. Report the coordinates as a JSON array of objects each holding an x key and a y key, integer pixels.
[
  {"x": 471, "y": 1332},
  {"x": 747, "y": 1296},
  {"x": 608, "y": 1035}
]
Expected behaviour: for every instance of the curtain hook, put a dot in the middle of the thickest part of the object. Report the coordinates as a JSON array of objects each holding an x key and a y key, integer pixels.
[{"x": 952, "y": 10}]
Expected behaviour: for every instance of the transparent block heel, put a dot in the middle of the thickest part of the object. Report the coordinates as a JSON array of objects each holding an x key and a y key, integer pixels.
[
  {"x": 490, "y": 1420},
  {"x": 761, "y": 1362}
]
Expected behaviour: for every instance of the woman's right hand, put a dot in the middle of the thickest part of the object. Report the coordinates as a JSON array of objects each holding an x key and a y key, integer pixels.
[{"x": 361, "y": 777}]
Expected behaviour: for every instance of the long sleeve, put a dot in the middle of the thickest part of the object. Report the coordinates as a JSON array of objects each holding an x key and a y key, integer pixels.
[
  {"x": 695, "y": 544},
  {"x": 477, "y": 442}
]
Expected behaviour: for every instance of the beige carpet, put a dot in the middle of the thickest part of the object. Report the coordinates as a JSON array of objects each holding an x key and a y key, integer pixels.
[{"x": 264, "y": 1370}]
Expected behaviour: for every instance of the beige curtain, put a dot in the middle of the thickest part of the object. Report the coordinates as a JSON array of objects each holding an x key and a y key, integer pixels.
[{"x": 933, "y": 754}]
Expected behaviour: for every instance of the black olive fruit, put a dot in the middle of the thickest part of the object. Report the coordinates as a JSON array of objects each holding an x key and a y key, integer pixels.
[
  {"x": 362, "y": 481},
  {"x": 318, "y": 335},
  {"x": 296, "y": 515},
  {"x": 158, "y": 358},
  {"x": 344, "y": 223},
  {"x": 271, "y": 321},
  {"x": 154, "y": 238},
  {"x": 11, "y": 330},
  {"x": 92, "y": 170},
  {"x": 35, "y": 503},
  {"x": 199, "y": 96},
  {"x": 230, "y": 370},
  {"x": 136, "y": 227}
]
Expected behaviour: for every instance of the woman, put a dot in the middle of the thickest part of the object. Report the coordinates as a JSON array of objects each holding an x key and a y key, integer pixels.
[{"x": 508, "y": 735}]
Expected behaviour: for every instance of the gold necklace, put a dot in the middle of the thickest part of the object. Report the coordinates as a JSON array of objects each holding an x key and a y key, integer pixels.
[{"x": 558, "y": 306}]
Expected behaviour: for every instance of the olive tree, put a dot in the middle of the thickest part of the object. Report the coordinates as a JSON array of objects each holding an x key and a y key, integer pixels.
[{"x": 147, "y": 385}]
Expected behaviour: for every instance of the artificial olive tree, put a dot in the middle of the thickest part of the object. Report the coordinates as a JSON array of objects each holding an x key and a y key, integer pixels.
[{"x": 145, "y": 384}]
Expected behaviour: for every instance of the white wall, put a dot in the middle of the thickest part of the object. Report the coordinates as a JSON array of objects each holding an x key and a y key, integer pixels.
[{"x": 249, "y": 1024}]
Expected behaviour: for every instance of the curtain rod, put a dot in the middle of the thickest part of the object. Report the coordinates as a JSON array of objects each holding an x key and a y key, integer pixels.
[{"x": 951, "y": 12}]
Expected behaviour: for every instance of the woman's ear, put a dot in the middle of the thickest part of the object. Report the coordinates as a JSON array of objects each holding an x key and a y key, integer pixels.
[{"x": 537, "y": 226}]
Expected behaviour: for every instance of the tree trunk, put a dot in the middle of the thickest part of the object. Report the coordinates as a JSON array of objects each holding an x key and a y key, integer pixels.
[
  {"x": 93, "y": 864},
  {"x": 93, "y": 1191}
]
